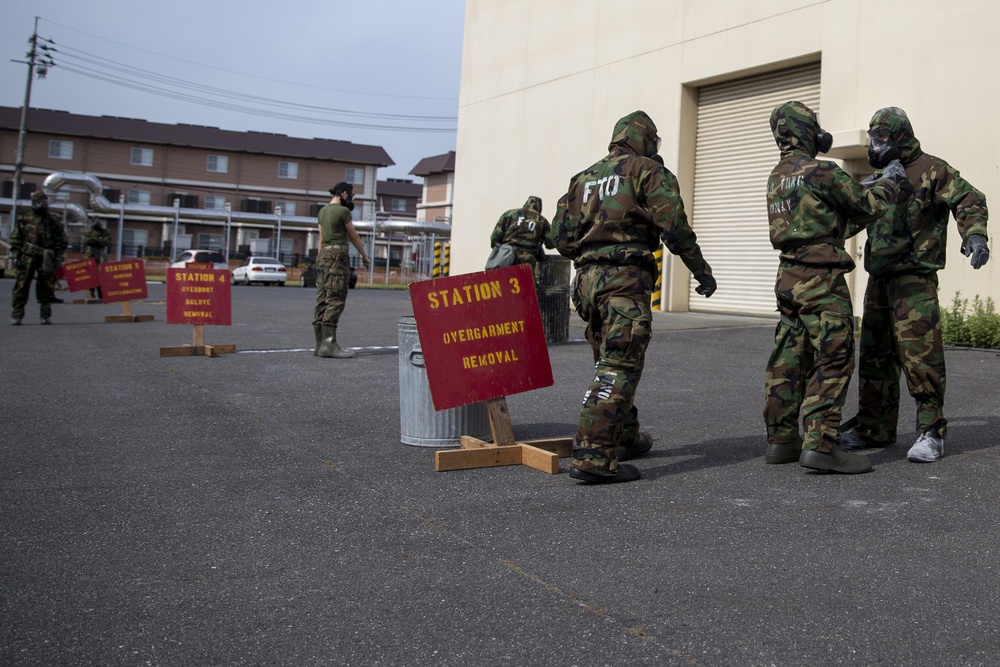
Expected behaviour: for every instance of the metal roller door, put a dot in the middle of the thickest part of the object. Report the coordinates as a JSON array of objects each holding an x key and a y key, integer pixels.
[{"x": 734, "y": 154}]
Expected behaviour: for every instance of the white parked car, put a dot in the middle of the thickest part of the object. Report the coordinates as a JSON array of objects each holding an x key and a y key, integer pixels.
[
  {"x": 200, "y": 256},
  {"x": 263, "y": 270}
]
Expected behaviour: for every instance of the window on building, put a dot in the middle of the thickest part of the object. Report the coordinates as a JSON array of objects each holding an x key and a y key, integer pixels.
[
  {"x": 288, "y": 169},
  {"x": 398, "y": 205},
  {"x": 218, "y": 163},
  {"x": 287, "y": 207},
  {"x": 142, "y": 157},
  {"x": 215, "y": 202},
  {"x": 61, "y": 150},
  {"x": 209, "y": 241},
  {"x": 355, "y": 176},
  {"x": 134, "y": 242},
  {"x": 139, "y": 197}
]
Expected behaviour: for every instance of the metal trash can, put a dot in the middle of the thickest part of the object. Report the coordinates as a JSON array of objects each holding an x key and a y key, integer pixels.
[
  {"x": 419, "y": 423},
  {"x": 554, "y": 298}
]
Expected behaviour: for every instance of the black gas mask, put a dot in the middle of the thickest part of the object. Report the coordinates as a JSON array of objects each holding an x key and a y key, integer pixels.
[
  {"x": 347, "y": 199},
  {"x": 881, "y": 150}
]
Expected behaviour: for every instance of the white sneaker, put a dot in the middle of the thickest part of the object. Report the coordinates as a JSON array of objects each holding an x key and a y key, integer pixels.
[{"x": 928, "y": 448}]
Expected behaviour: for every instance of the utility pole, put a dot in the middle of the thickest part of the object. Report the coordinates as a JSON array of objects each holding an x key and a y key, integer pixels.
[{"x": 42, "y": 61}]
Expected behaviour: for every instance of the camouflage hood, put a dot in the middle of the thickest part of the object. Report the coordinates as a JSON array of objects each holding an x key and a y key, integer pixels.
[
  {"x": 795, "y": 126},
  {"x": 533, "y": 204},
  {"x": 636, "y": 132},
  {"x": 894, "y": 119}
]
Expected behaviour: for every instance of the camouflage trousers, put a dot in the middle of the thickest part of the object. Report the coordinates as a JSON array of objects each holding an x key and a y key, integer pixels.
[
  {"x": 900, "y": 331},
  {"x": 45, "y": 288},
  {"x": 333, "y": 274},
  {"x": 527, "y": 256},
  {"x": 614, "y": 302},
  {"x": 813, "y": 357}
]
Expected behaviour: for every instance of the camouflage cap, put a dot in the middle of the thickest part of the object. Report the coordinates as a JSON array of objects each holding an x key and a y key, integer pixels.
[
  {"x": 39, "y": 196},
  {"x": 533, "y": 203}
]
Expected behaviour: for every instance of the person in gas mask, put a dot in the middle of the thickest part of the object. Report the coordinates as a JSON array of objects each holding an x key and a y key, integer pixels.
[
  {"x": 95, "y": 246},
  {"x": 38, "y": 246},
  {"x": 609, "y": 222},
  {"x": 526, "y": 230},
  {"x": 901, "y": 326},
  {"x": 333, "y": 269},
  {"x": 812, "y": 206}
]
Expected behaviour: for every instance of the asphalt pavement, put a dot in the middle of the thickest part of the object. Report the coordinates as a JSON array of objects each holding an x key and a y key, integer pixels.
[{"x": 259, "y": 508}]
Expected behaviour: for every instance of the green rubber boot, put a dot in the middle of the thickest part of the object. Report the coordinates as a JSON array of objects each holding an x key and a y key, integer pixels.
[
  {"x": 318, "y": 330},
  {"x": 328, "y": 347}
]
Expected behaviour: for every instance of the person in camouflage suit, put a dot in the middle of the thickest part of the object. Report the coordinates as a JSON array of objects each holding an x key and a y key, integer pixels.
[
  {"x": 95, "y": 245},
  {"x": 901, "y": 327},
  {"x": 609, "y": 222},
  {"x": 38, "y": 246},
  {"x": 525, "y": 229},
  {"x": 812, "y": 206},
  {"x": 333, "y": 269}
]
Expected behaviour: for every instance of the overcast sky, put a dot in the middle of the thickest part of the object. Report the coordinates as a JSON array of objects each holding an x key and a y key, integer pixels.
[{"x": 313, "y": 68}]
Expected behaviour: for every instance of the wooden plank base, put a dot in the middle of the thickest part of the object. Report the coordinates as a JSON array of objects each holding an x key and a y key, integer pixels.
[
  {"x": 129, "y": 318},
  {"x": 541, "y": 455},
  {"x": 198, "y": 350}
]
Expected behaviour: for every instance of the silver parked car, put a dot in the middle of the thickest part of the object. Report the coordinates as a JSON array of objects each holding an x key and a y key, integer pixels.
[{"x": 263, "y": 270}]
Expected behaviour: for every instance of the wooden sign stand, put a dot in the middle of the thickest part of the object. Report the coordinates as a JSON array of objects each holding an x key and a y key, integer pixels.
[
  {"x": 198, "y": 348},
  {"x": 541, "y": 454},
  {"x": 127, "y": 315}
]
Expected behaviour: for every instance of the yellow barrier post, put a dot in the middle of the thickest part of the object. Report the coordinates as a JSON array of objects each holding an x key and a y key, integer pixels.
[
  {"x": 658, "y": 284},
  {"x": 436, "y": 271},
  {"x": 447, "y": 259}
]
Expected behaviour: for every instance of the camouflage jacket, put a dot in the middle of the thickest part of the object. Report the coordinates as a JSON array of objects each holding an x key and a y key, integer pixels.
[
  {"x": 913, "y": 241},
  {"x": 523, "y": 227},
  {"x": 617, "y": 210},
  {"x": 95, "y": 243},
  {"x": 34, "y": 234},
  {"x": 813, "y": 205}
]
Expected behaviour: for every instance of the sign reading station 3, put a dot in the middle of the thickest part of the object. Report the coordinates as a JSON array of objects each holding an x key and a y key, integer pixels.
[{"x": 481, "y": 335}]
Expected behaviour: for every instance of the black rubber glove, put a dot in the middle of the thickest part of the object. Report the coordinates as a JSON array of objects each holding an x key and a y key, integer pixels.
[
  {"x": 706, "y": 285},
  {"x": 975, "y": 245},
  {"x": 19, "y": 263},
  {"x": 895, "y": 171}
]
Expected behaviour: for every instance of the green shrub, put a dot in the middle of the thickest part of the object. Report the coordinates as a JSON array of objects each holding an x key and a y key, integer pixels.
[{"x": 978, "y": 328}]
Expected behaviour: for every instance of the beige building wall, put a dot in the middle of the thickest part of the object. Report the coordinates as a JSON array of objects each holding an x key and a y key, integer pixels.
[
  {"x": 437, "y": 204},
  {"x": 543, "y": 84}
]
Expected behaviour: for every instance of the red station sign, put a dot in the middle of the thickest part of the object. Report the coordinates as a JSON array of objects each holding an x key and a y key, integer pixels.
[
  {"x": 123, "y": 281},
  {"x": 199, "y": 296},
  {"x": 81, "y": 275},
  {"x": 481, "y": 335}
]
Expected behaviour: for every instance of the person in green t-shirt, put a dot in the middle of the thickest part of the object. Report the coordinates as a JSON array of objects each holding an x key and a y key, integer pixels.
[{"x": 333, "y": 269}]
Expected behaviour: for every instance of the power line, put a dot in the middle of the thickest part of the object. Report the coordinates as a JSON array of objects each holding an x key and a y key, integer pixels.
[
  {"x": 252, "y": 76},
  {"x": 72, "y": 55},
  {"x": 81, "y": 63}
]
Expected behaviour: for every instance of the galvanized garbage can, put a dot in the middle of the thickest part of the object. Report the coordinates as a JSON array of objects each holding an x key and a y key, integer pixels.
[
  {"x": 553, "y": 297},
  {"x": 419, "y": 423}
]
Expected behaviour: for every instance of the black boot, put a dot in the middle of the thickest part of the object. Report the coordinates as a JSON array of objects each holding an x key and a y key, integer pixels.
[{"x": 318, "y": 330}]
